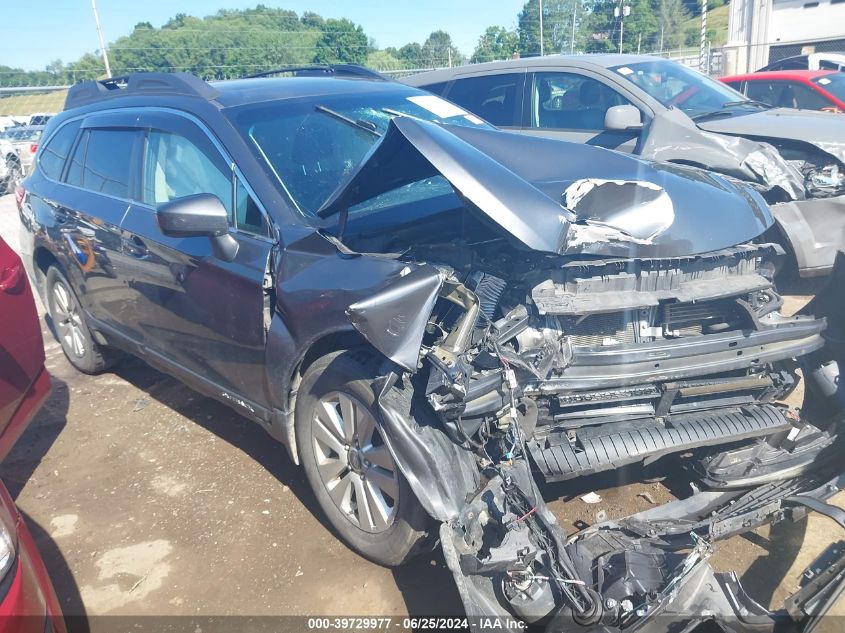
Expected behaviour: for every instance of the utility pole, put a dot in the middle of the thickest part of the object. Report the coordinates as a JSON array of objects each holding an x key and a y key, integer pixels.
[
  {"x": 622, "y": 12},
  {"x": 702, "y": 51},
  {"x": 100, "y": 35},
  {"x": 639, "y": 43},
  {"x": 572, "y": 39},
  {"x": 541, "y": 27}
]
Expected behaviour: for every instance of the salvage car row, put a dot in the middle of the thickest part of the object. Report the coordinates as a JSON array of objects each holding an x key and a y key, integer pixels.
[{"x": 430, "y": 314}]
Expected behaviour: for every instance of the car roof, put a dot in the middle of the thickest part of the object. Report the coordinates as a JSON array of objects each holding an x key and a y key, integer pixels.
[
  {"x": 235, "y": 92},
  {"x": 310, "y": 81},
  {"x": 780, "y": 74},
  {"x": 595, "y": 60}
]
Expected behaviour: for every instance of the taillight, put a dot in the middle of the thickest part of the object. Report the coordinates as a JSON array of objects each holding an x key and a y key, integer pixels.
[{"x": 33, "y": 148}]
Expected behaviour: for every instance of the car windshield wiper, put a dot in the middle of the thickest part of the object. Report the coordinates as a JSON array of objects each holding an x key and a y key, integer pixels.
[
  {"x": 726, "y": 109},
  {"x": 747, "y": 102},
  {"x": 361, "y": 124}
]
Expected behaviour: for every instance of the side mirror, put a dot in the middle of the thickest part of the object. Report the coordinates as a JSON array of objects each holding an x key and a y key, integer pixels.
[
  {"x": 622, "y": 117},
  {"x": 200, "y": 215}
]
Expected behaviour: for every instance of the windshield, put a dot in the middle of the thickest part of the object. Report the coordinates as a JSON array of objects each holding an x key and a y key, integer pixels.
[
  {"x": 310, "y": 146},
  {"x": 834, "y": 83},
  {"x": 675, "y": 85}
]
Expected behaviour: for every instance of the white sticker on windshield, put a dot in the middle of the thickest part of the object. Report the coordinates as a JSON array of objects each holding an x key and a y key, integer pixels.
[
  {"x": 473, "y": 119},
  {"x": 824, "y": 81},
  {"x": 624, "y": 70},
  {"x": 437, "y": 106}
]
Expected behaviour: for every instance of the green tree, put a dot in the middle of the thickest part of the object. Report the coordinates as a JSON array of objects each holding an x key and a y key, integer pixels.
[
  {"x": 411, "y": 55},
  {"x": 438, "y": 51},
  {"x": 341, "y": 41},
  {"x": 383, "y": 60},
  {"x": 494, "y": 44},
  {"x": 641, "y": 27},
  {"x": 671, "y": 15},
  {"x": 557, "y": 26},
  {"x": 89, "y": 66}
]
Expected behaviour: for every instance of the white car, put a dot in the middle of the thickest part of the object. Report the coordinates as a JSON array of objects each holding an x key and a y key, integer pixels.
[
  {"x": 10, "y": 167},
  {"x": 813, "y": 61}
]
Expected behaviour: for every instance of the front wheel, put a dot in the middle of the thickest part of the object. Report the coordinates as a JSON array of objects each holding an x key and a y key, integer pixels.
[{"x": 351, "y": 471}]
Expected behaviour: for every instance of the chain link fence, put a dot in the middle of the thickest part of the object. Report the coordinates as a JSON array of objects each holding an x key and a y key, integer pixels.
[{"x": 19, "y": 102}]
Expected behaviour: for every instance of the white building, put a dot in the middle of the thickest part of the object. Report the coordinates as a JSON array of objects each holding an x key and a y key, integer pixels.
[{"x": 764, "y": 31}]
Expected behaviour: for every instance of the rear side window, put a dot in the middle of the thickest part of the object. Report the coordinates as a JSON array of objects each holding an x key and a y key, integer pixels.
[
  {"x": 787, "y": 94},
  {"x": 54, "y": 154},
  {"x": 493, "y": 97},
  {"x": 102, "y": 161}
]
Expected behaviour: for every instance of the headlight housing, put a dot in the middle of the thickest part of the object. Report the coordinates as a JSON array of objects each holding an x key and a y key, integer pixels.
[
  {"x": 8, "y": 539},
  {"x": 7, "y": 550},
  {"x": 829, "y": 179}
]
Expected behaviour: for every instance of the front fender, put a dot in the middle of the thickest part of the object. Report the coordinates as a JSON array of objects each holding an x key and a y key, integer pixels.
[
  {"x": 440, "y": 472},
  {"x": 815, "y": 231}
]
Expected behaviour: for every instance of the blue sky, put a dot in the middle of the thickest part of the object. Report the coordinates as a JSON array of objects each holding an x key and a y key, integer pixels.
[{"x": 35, "y": 32}]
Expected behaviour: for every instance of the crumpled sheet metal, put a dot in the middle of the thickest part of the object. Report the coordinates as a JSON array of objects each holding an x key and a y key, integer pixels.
[
  {"x": 516, "y": 183},
  {"x": 634, "y": 210},
  {"x": 393, "y": 320}
]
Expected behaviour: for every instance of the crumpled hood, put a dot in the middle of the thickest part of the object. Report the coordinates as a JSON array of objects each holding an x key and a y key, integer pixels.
[
  {"x": 561, "y": 197},
  {"x": 825, "y": 130}
]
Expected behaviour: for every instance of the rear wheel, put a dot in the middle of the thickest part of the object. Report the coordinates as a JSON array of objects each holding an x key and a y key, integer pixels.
[
  {"x": 72, "y": 331},
  {"x": 351, "y": 471}
]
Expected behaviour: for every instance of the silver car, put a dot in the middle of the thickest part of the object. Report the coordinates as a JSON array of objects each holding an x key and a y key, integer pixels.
[
  {"x": 24, "y": 141},
  {"x": 661, "y": 110}
]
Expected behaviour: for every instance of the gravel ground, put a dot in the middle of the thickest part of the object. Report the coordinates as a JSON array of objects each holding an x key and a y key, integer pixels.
[{"x": 148, "y": 498}]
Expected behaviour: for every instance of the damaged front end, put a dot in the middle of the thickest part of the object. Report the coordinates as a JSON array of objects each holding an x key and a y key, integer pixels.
[
  {"x": 492, "y": 404},
  {"x": 795, "y": 159},
  {"x": 549, "y": 354}
]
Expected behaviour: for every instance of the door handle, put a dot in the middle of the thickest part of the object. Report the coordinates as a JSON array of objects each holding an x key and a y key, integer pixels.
[{"x": 135, "y": 247}]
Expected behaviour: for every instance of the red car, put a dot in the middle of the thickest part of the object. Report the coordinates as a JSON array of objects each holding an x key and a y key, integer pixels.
[
  {"x": 25, "y": 588},
  {"x": 801, "y": 89}
]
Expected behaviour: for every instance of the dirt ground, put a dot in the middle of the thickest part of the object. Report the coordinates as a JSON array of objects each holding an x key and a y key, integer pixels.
[{"x": 148, "y": 498}]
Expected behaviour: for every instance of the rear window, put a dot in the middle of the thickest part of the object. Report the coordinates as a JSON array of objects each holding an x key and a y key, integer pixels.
[
  {"x": 54, "y": 154},
  {"x": 492, "y": 97},
  {"x": 834, "y": 83},
  {"x": 437, "y": 88},
  {"x": 102, "y": 161}
]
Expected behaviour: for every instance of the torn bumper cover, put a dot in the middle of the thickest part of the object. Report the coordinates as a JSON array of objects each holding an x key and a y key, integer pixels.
[{"x": 648, "y": 571}]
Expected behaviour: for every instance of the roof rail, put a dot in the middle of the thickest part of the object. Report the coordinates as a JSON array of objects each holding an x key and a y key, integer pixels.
[
  {"x": 184, "y": 84},
  {"x": 321, "y": 70}
]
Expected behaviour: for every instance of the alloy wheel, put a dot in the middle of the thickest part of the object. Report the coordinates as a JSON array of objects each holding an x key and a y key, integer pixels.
[
  {"x": 68, "y": 321},
  {"x": 354, "y": 463}
]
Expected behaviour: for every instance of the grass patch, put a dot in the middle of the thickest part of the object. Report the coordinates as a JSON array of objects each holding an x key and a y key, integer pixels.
[
  {"x": 717, "y": 26},
  {"x": 30, "y": 102}
]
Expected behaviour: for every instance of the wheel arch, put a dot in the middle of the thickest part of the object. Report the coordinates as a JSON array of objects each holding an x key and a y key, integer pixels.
[
  {"x": 42, "y": 259},
  {"x": 288, "y": 380}
]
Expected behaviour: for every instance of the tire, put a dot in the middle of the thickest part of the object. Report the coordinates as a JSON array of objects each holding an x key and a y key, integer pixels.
[
  {"x": 71, "y": 329},
  {"x": 343, "y": 461}
]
